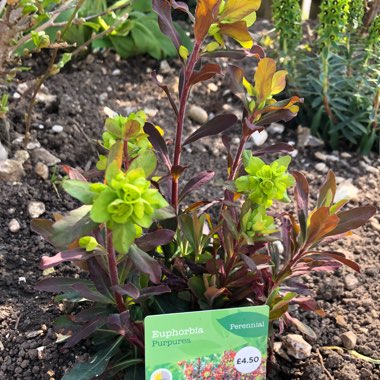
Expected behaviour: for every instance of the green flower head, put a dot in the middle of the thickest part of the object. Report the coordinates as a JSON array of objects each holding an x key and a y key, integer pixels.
[
  {"x": 126, "y": 203},
  {"x": 256, "y": 222},
  {"x": 264, "y": 183}
]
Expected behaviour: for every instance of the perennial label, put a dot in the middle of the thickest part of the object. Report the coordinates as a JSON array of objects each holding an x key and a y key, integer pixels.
[{"x": 213, "y": 344}]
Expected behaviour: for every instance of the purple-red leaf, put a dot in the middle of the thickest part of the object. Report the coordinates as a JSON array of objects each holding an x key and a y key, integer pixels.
[
  {"x": 84, "y": 332},
  {"x": 275, "y": 148},
  {"x": 145, "y": 264},
  {"x": 276, "y": 116},
  {"x": 351, "y": 219},
  {"x": 129, "y": 290},
  {"x": 226, "y": 53},
  {"x": 59, "y": 284},
  {"x": 91, "y": 294},
  {"x": 208, "y": 71},
  {"x": 196, "y": 182},
  {"x": 158, "y": 143},
  {"x": 165, "y": 21},
  {"x": 154, "y": 239},
  {"x": 335, "y": 256},
  {"x": 99, "y": 277},
  {"x": 218, "y": 124},
  {"x": 72, "y": 255},
  {"x": 151, "y": 291},
  {"x": 44, "y": 228},
  {"x": 183, "y": 7}
]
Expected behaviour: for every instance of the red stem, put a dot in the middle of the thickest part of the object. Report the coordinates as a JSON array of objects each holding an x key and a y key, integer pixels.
[
  {"x": 236, "y": 162},
  {"x": 181, "y": 119},
  {"x": 114, "y": 276}
]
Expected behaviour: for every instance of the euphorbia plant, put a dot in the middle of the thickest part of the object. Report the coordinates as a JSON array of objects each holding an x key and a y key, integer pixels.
[{"x": 148, "y": 252}]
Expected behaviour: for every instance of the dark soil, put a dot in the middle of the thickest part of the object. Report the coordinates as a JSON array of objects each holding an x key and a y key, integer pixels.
[{"x": 27, "y": 341}]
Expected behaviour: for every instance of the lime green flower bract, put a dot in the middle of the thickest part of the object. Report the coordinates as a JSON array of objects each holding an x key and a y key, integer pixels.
[
  {"x": 257, "y": 222},
  {"x": 88, "y": 242},
  {"x": 264, "y": 183},
  {"x": 126, "y": 204}
]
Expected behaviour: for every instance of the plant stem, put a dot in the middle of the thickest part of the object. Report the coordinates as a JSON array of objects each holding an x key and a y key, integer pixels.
[
  {"x": 325, "y": 89},
  {"x": 236, "y": 162},
  {"x": 189, "y": 68},
  {"x": 112, "y": 266}
]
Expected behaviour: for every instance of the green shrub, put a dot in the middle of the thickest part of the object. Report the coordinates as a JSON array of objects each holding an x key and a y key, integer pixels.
[{"x": 148, "y": 251}]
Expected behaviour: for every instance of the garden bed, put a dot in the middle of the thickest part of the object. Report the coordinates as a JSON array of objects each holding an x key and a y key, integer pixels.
[{"x": 27, "y": 341}]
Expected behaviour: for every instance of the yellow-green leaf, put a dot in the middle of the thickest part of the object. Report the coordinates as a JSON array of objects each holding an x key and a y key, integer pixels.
[
  {"x": 263, "y": 78},
  {"x": 239, "y": 32},
  {"x": 236, "y": 10},
  {"x": 279, "y": 81}
]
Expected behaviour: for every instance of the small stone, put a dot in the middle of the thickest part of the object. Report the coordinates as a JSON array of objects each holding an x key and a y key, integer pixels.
[
  {"x": 375, "y": 225},
  {"x": 33, "y": 334},
  {"x": 297, "y": 346},
  {"x": 321, "y": 167},
  {"x": 46, "y": 98},
  {"x": 332, "y": 157},
  {"x": 368, "y": 168},
  {"x": 22, "y": 279},
  {"x": 33, "y": 145},
  {"x": 320, "y": 156},
  {"x": 349, "y": 340},
  {"x": 57, "y": 128},
  {"x": 350, "y": 282},
  {"x": 22, "y": 88},
  {"x": 259, "y": 138},
  {"x": 345, "y": 155},
  {"x": 116, "y": 72},
  {"x": 42, "y": 155},
  {"x": 341, "y": 321},
  {"x": 21, "y": 156},
  {"x": 3, "y": 153},
  {"x": 278, "y": 349},
  {"x": 14, "y": 226},
  {"x": 103, "y": 97},
  {"x": 165, "y": 67},
  {"x": 16, "y": 96},
  {"x": 11, "y": 171},
  {"x": 346, "y": 190},
  {"x": 198, "y": 114},
  {"x": 42, "y": 170},
  {"x": 276, "y": 129},
  {"x": 40, "y": 352},
  {"x": 305, "y": 139},
  {"x": 1, "y": 346},
  {"x": 212, "y": 87},
  {"x": 36, "y": 209},
  {"x": 151, "y": 112}
]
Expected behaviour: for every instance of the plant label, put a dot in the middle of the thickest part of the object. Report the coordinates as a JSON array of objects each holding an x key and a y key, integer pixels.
[{"x": 214, "y": 344}]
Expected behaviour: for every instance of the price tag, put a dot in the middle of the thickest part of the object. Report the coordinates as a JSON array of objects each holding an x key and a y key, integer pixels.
[{"x": 220, "y": 344}]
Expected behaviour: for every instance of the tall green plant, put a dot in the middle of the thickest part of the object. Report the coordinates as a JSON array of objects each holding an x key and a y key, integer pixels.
[{"x": 287, "y": 21}]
